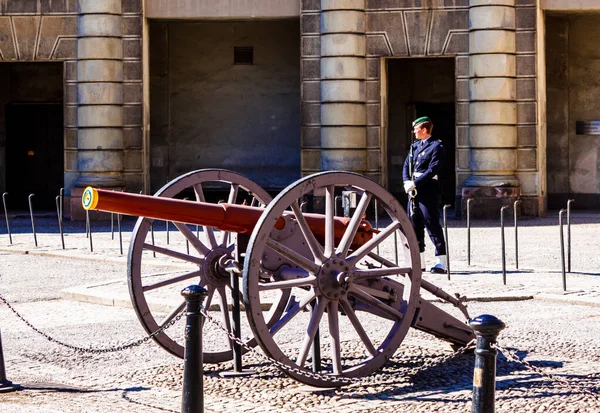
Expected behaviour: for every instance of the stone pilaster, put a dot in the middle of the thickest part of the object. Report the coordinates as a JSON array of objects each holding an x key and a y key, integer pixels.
[
  {"x": 492, "y": 104},
  {"x": 100, "y": 94},
  {"x": 343, "y": 85}
]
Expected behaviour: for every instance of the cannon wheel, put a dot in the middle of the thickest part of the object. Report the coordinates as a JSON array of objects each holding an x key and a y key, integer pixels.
[
  {"x": 199, "y": 265},
  {"x": 362, "y": 300}
]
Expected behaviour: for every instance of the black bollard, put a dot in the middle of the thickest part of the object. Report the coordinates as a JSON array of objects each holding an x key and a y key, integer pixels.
[
  {"x": 5, "y": 385},
  {"x": 487, "y": 328},
  {"x": 193, "y": 371}
]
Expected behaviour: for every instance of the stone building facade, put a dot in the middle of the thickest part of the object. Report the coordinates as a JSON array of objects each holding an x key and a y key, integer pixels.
[{"x": 279, "y": 89}]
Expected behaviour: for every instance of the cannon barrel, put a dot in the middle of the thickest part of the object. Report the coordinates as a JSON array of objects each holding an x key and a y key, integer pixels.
[{"x": 223, "y": 216}]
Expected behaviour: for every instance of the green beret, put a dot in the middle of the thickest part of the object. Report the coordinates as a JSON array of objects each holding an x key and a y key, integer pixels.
[{"x": 421, "y": 121}]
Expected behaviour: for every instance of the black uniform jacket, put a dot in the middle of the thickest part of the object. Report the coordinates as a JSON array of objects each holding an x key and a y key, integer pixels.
[{"x": 428, "y": 157}]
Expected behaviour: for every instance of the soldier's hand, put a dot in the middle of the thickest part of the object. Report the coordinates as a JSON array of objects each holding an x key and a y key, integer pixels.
[{"x": 409, "y": 186}]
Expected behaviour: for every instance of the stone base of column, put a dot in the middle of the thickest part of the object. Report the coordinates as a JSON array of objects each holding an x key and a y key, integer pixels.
[
  {"x": 487, "y": 201},
  {"x": 75, "y": 210}
]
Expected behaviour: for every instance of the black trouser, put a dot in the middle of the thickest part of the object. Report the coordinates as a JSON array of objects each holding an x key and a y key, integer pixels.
[{"x": 427, "y": 215}]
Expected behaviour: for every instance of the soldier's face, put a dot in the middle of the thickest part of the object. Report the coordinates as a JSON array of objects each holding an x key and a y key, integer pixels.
[{"x": 420, "y": 133}]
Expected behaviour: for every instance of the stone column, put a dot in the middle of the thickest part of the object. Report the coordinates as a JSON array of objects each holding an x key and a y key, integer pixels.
[
  {"x": 343, "y": 85},
  {"x": 492, "y": 107},
  {"x": 100, "y": 94}
]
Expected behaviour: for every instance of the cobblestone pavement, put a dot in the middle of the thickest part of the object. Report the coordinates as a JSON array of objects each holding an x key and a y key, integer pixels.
[{"x": 555, "y": 333}]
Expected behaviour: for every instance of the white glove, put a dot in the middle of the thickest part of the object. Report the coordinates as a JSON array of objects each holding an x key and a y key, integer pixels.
[{"x": 409, "y": 186}]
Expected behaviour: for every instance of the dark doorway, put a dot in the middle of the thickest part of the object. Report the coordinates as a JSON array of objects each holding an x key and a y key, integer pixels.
[
  {"x": 421, "y": 87},
  {"x": 34, "y": 153},
  {"x": 443, "y": 117}
]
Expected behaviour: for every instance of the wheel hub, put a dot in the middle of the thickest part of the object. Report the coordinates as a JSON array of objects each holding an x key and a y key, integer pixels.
[
  {"x": 334, "y": 278},
  {"x": 211, "y": 272}
]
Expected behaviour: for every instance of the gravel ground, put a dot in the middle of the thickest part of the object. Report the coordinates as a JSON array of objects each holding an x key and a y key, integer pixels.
[{"x": 565, "y": 355}]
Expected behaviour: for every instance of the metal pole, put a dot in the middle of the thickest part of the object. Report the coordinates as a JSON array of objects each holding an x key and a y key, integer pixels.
[
  {"x": 167, "y": 232},
  {"x": 235, "y": 313},
  {"x": 6, "y": 216},
  {"x": 193, "y": 369},
  {"x": 503, "y": 244},
  {"x": 562, "y": 249},
  {"x": 316, "y": 346},
  {"x": 238, "y": 368},
  {"x": 446, "y": 239},
  {"x": 60, "y": 227},
  {"x": 32, "y": 223},
  {"x": 61, "y": 193},
  {"x": 516, "y": 234},
  {"x": 5, "y": 384},
  {"x": 120, "y": 233},
  {"x": 89, "y": 225},
  {"x": 469, "y": 231},
  {"x": 569, "y": 202},
  {"x": 487, "y": 328},
  {"x": 335, "y": 205}
]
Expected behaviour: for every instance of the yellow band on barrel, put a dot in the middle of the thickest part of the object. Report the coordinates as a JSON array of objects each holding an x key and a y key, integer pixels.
[{"x": 89, "y": 199}]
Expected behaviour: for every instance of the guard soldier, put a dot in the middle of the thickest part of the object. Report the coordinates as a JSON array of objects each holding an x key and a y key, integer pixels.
[{"x": 420, "y": 176}]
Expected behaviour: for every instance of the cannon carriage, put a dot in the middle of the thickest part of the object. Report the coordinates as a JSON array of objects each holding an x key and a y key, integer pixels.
[{"x": 303, "y": 275}]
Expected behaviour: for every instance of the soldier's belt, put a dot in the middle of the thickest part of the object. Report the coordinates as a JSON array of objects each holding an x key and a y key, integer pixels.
[{"x": 418, "y": 174}]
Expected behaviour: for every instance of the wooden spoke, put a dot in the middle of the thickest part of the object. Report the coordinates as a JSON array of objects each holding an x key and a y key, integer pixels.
[
  {"x": 174, "y": 254},
  {"x": 209, "y": 231},
  {"x": 381, "y": 260},
  {"x": 372, "y": 243},
  {"x": 233, "y": 192},
  {"x": 170, "y": 281},
  {"x": 315, "y": 246},
  {"x": 363, "y": 296},
  {"x": 379, "y": 272},
  {"x": 173, "y": 314},
  {"x": 329, "y": 220},
  {"x": 350, "y": 232},
  {"x": 189, "y": 235},
  {"x": 293, "y": 256},
  {"x": 291, "y": 313},
  {"x": 358, "y": 327},
  {"x": 311, "y": 330},
  {"x": 225, "y": 312},
  {"x": 278, "y": 285},
  {"x": 334, "y": 334}
]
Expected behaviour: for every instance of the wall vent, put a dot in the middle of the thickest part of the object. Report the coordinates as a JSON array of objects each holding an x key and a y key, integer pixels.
[{"x": 243, "y": 55}]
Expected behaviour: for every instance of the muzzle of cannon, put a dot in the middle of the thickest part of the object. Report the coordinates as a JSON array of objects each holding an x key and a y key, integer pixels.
[{"x": 304, "y": 274}]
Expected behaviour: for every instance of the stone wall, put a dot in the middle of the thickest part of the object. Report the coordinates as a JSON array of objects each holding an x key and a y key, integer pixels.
[
  {"x": 573, "y": 85},
  {"x": 207, "y": 112},
  {"x": 394, "y": 28},
  {"x": 39, "y": 31}
]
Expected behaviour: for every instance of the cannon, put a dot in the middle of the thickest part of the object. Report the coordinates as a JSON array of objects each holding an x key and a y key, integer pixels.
[{"x": 303, "y": 275}]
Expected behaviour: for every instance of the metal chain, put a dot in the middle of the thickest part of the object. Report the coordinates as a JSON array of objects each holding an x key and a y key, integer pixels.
[
  {"x": 512, "y": 356},
  {"x": 329, "y": 378},
  {"x": 89, "y": 349}
]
